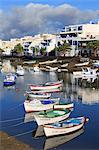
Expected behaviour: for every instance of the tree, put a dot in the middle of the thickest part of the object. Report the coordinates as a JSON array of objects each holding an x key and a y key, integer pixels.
[
  {"x": 94, "y": 45},
  {"x": 43, "y": 51},
  {"x": 18, "y": 49},
  {"x": 63, "y": 48},
  {"x": 1, "y": 51},
  {"x": 36, "y": 50}
]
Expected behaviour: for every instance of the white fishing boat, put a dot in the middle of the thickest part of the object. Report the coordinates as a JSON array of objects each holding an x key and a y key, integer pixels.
[
  {"x": 96, "y": 63},
  {"x": 47, "y": 91},
  {"x": 51, "y": 116},
  {"x": 20, "y": 71},
  {"x": 47, "y": 86},
  {"x": 53, "y": 142},
  {"x": 63, "y": 105},
  {"x": 36, "y": 69},
  {"x": 65, "y": 127},
  {"x": 82, "y": 64},
  {"x": 45, "y": 104},
  {"x": 10, "y": 79},
  {"x": 39, "y": 105},
  {"x": 52, "y": 68},
  {"x": 38, "y": 95},
  {"x": 85, "y": 72}
]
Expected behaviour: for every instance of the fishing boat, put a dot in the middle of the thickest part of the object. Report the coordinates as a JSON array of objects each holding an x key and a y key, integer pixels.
[
  {"x": 88, "y": 72},
  {"x": 10, "y": 79},
  {"x": 65, "y": 127},
  {"x": 38, "y": 95},
  {"x": 53, "y": 69},
  {"x": 51, "y": 116},
  {"x": 53, "y": 142},
  {"x": 36, "y": 69},
  {"x": 39, "y": 105},
  {"x": 46, "y": 86},
  {"x": 47, "y": 91},
  {"x": 20, "y": 71},
  {"x": 45, "y": 104},
  {"x": 82, "y": 64},
  {"x": 63, "y": 105}
]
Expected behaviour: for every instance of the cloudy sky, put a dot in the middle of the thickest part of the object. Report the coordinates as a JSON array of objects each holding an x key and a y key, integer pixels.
[{"x": 28, "y": 17}]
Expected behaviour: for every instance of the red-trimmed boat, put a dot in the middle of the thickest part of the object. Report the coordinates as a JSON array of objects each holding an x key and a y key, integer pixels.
[
  {"x": 47, "y": 86},
  {"x": 64, "y": 127}
]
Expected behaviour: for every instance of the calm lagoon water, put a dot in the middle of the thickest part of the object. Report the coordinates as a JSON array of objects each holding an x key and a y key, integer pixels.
[{"x": 83, "y": 92}]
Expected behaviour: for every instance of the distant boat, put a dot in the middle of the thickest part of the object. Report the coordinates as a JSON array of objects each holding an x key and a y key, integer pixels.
[
  {"x": 64, "y": 127},
  {"x": 96, "y": 63},
  {"x": 36, "y": 69},
  {"x": 39, "y": 105},
  {"x": 51, "y": 116},
  {"x": 82, "y": 64},
  {"x": 53, "y": 142},
  {"x": 52, "y": 68},
  {"x": 20, "y": 71},
  {"x": 38, "y": 95},
  {"x": 9, "y": 80},
  {"x": 47, "y": 91},
  {"x": 46, "y": 86},
  {"x": 88, "y": 72}
]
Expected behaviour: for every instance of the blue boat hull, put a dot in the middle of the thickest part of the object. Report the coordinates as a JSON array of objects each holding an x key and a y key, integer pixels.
[{"x": 8, "y": 83}]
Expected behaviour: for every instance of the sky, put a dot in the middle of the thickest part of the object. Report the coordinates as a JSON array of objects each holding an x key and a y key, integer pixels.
[{"x": 20, "y": 18}]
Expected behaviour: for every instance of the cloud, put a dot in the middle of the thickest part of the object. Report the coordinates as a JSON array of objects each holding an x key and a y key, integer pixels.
[{"x": 38, "y": 18}]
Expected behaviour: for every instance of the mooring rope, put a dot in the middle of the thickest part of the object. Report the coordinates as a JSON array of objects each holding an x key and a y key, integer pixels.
[
  {"x": 9, "y": 120},
  {"x": 21, "y": 134},
  {"x": 15, "y": 107},
  {"x": 10, "y": 126}
]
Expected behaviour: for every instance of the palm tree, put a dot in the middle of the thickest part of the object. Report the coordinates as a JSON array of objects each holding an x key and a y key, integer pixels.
[
  {"x": 43, "y": 51},
  {"x": 18, "y": 49},
  {"x": 63, "y": 48},
  {"x": 36, "y": 50},
  {"x": 1, "y": 51},
  {"x": 94, "y": 45}
]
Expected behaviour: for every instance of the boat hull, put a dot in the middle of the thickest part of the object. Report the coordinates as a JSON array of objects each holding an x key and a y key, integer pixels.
[
  {"x": 8, "y": 83},
  {"x": 47, "y": 86},
  {"x": 39, "y": 96},
  {"x": 41, "y": 120},
  {"x": 63, "y": 106},
  {"x": 39, "y": 107},
  {"x": 53, "y": 131}
]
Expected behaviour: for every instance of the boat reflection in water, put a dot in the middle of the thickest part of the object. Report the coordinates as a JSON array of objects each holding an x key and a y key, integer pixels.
[
  {"x": 38, "y": 132},
  {"x": 29, "y": 117},
  {"x": 53, "y": 142}
]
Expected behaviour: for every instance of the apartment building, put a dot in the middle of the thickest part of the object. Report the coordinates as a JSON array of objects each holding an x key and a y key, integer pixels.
[{"x": 79, "y": 35}]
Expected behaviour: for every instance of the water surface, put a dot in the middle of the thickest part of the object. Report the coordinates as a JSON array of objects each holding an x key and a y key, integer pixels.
[{"x": 83, "y": 92}]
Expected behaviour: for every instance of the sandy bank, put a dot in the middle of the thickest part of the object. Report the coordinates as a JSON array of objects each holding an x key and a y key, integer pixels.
[{"x": 11, "y": 143}]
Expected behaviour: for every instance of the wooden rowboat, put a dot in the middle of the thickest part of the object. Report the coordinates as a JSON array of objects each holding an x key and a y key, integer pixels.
[
  {"x": 38, "y": 95},
  {"x": 9, "y": 80},
  {"x": 64, "y": 127},
  {"x": 53, "y": 142},
  {"x": 51, "y": 116},
  {"x": 40, "y": 105},
  {"x": 45, "y": 104},
  {"x": 46, "y": 86}
]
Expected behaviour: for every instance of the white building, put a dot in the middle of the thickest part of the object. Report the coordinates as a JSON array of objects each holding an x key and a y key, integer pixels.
[{"x": 80, "y": 34}]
